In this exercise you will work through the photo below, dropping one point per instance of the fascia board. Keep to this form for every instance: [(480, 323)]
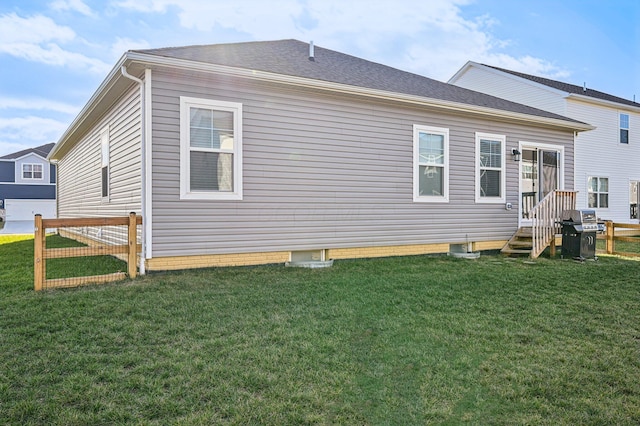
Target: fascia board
[(145, 59), (29, 155)]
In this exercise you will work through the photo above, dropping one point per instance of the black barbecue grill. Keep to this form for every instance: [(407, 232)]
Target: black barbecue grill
[(579, 229)]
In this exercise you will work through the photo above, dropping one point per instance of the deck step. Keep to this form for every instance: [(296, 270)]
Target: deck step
[(521, 243), (515, 251)]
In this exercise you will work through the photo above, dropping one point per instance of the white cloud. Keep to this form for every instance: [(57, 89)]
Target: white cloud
[(37, 39), (431, 38), (36, 29), (73, 5), (30, 131), (121, 45), (38, 104)]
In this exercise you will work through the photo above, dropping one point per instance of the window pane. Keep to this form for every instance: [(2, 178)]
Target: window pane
[(624, 121), (431, 182), (201, 117), (604, 185), (105, 181), (490, 153), (431, 148), (593, 200), (592, 184), (604, 200), (201, 138), (211, 171), (490, 183), (550, 158), (211, 129), (223, 120), (624, 136)]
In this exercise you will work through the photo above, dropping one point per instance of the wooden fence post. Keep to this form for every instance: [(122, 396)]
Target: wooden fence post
[(133, 244), (609, 237), (38, 254)]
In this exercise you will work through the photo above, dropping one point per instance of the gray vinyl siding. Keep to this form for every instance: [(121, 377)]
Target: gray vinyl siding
[(326, 170), (79, 172)]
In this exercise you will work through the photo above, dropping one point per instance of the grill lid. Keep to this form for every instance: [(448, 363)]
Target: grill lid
[(580, 216)]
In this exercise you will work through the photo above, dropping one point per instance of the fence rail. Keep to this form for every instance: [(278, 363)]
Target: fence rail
[(610, 237), (95, 247)]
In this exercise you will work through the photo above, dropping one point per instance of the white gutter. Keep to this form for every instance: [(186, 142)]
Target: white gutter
[(183, 64), (143, 194)]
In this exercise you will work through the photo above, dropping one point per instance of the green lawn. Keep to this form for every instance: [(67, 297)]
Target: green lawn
[(412, 340)]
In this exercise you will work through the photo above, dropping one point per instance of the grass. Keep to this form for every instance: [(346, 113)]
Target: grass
[(412, 340)]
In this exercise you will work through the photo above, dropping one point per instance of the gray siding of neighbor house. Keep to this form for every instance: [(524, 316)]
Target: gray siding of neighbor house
[(7, 171), (79, 172), (27, 192), (326, 170)]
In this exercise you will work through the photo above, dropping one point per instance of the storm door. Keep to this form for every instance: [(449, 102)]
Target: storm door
[(540, 173)]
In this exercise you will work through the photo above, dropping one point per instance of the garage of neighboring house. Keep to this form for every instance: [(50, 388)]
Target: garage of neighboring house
[(22, 210)]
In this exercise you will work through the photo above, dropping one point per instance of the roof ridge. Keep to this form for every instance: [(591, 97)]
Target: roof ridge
[(42, 150), (156, 49)]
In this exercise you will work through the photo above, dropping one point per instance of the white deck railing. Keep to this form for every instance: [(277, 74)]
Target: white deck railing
[(546, 217)]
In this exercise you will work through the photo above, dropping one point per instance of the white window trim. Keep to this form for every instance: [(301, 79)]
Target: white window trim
[(503, 143), (601, 176), (33, 165), (236, 108), (444, 198), (105, 161)]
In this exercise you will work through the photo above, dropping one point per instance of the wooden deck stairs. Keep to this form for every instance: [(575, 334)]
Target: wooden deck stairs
[(545, 218), (520, 244)]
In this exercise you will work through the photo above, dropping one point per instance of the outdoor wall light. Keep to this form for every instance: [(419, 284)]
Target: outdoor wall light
[(516, 154)]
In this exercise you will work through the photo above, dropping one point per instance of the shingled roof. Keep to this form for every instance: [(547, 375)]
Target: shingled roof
[(42, 151), (291, 58), (569, 88)]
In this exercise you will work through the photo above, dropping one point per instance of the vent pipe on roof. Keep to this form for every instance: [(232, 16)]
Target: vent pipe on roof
[(584, 88), (311, 51)]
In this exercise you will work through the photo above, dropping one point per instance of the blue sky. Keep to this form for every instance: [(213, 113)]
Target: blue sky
[(55, 53)]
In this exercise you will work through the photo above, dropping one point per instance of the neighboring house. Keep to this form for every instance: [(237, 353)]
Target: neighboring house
[(607, 174), (28, 184), (260, 152)]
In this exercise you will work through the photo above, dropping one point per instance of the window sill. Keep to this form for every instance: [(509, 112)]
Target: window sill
[(430, 199), (211, 196)]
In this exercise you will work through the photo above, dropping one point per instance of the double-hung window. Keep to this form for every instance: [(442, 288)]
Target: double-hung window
[(624, 128), (430, 164), (490, 168), (210, 149), (32, 171), (598, 192)]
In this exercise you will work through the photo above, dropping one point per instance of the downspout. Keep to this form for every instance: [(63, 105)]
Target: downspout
[(143, 195)]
